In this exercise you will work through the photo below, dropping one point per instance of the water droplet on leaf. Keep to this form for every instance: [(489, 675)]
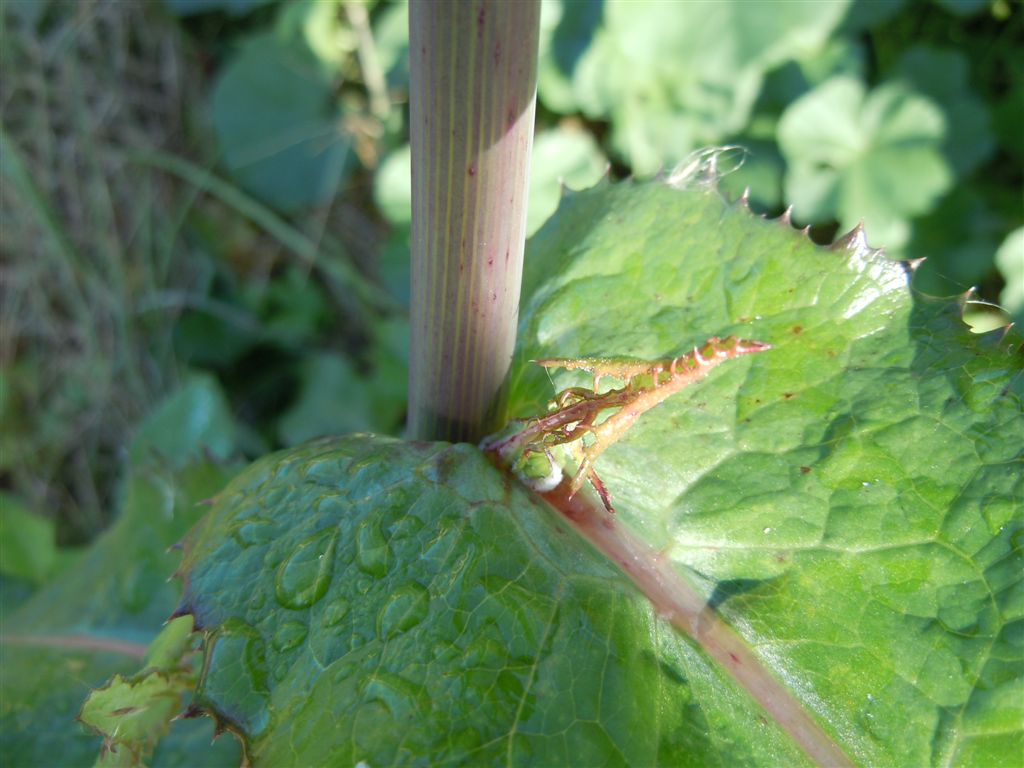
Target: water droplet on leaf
[(406, 607), (304, 576), (335, 612), (289, 635), (372, 550)]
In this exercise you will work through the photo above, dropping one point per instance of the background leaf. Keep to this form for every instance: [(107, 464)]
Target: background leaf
[(28, 542), (856, 155), (674, 77), (1010, 260), (277, 124), (943, 76), (232, 7)]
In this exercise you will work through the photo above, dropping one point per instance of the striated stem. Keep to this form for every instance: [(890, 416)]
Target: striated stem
[(473, 67)]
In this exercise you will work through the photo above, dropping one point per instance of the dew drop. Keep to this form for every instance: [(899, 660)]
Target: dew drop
[(335, 612), (395, 694), (405, 608), (306, 573), (257, 600), (289, 635), (767, 530), (371, 549), (275, 496), (344, 672), (253, 531)]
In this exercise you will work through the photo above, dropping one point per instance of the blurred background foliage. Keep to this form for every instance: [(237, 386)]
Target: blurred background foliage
[(217, 191)]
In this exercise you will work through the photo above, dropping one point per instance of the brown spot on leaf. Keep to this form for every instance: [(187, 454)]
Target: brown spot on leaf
[(797, 329), (804, 470), (788, 395)]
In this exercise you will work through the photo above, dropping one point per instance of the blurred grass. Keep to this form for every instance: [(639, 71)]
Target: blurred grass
[(136, 248), (85, 238), (126, 260)]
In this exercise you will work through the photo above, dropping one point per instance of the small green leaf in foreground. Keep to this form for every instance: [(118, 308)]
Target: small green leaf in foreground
[(95, 618), (133, 714)]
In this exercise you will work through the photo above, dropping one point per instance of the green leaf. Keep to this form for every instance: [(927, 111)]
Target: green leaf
[(566, 31), (96, 617), (28, 542), (850, 501), (334, 400), (672, 77), (277, 123), (231, 7), (377, 601), (320, 26), (193, 422), (943, 76), (391, 39), (392, 186), (870, 14), (94, 621), (856, 155), (561, 156), (1010, 260), (758, 171), (958, 240), (963, 7), (133, 714)]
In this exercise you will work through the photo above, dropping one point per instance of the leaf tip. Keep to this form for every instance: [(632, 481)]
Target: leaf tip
[(186, 609), (855, 242), (744, 199), (911, 265), (965, 298)]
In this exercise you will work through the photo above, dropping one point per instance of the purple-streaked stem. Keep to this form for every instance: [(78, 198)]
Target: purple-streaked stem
[(473, 68)]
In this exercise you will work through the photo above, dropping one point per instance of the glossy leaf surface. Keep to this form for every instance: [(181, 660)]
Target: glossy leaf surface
[(850, 501), (387, 602)]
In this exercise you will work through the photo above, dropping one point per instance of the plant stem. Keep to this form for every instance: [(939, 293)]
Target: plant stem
[(473, 85)]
